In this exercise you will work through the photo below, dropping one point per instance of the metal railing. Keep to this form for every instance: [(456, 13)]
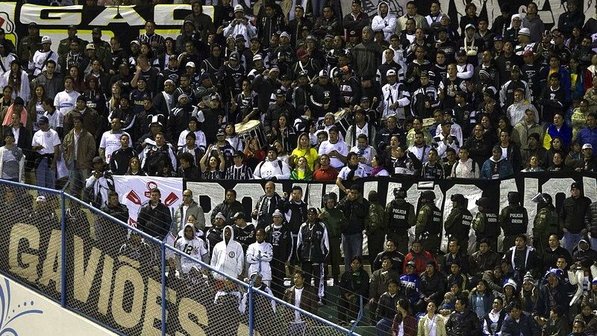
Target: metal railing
[(114, 274)]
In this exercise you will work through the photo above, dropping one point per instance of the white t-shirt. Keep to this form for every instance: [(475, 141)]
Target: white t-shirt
[(111, 142), (66, 101), (47, 139), (326, 147)]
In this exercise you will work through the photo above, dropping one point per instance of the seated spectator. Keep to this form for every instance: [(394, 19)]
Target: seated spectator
[(301, 171), (272, 168), (496, 167)]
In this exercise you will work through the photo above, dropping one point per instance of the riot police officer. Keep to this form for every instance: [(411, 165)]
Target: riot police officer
[(514, 219), (401, 217), (458, 223), (545, 222), (428, 225), (485, 223)]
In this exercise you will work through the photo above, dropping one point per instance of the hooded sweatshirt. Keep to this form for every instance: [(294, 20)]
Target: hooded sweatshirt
[(387, 24), (195, 248), (227, 257)]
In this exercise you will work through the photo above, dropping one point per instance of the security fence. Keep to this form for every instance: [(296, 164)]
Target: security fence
[(98, 266)]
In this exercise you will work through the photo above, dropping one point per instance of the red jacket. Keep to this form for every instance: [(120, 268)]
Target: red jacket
[(420, 260)]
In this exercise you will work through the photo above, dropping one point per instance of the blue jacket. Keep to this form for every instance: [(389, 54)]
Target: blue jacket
[(588, 135), (565, 134), (503, 169)]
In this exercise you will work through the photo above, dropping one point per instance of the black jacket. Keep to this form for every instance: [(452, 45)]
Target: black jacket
[(155, 221), (463, 324)]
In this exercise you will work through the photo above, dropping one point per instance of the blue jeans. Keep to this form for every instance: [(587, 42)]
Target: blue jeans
[(77, 179), (571, 240), (45, 175), (383, 327), (352, 246)]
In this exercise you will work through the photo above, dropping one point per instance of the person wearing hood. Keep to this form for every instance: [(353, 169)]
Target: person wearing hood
[(228, 256), (202, 22), (259, 255), (584, 254), (384, 20), (192, 246)]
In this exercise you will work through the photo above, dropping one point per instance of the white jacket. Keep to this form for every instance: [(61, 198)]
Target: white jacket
[(228, 257), (386, 24), (259, 256), (394, 95)]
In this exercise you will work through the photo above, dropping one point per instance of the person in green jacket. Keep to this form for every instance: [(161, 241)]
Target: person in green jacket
[(332, 217), (376, 225), (428, 225)]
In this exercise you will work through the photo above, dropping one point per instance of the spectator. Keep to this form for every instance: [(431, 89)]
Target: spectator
[(154, 218)]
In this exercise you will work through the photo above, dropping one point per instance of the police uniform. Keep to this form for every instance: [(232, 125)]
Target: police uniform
[(514, 220), (458, 225), (429, 224), (544, 225), (401, 217), (485, 224)]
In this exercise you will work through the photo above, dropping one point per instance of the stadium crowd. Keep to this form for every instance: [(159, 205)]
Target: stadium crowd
[(276, 92)]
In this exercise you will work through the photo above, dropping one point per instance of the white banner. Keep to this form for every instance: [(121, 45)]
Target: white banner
[(134, 192)]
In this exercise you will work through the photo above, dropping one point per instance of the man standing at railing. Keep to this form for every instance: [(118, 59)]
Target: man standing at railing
[(302, 296), (154, 218), (47, 144)]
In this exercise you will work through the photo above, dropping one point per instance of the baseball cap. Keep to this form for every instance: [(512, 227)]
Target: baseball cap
[(220, 132), (277, 213), (43, 120), (238, 215), (234, 56), (587, 146), (323, 73), (470, 25), (41, 198), (410, 263), (191, 64), (280, 93), (46, 39), (257, 58), (238, 8), (220, 216), (90, 46), (285, 34), (391, 72), (524, 31)]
